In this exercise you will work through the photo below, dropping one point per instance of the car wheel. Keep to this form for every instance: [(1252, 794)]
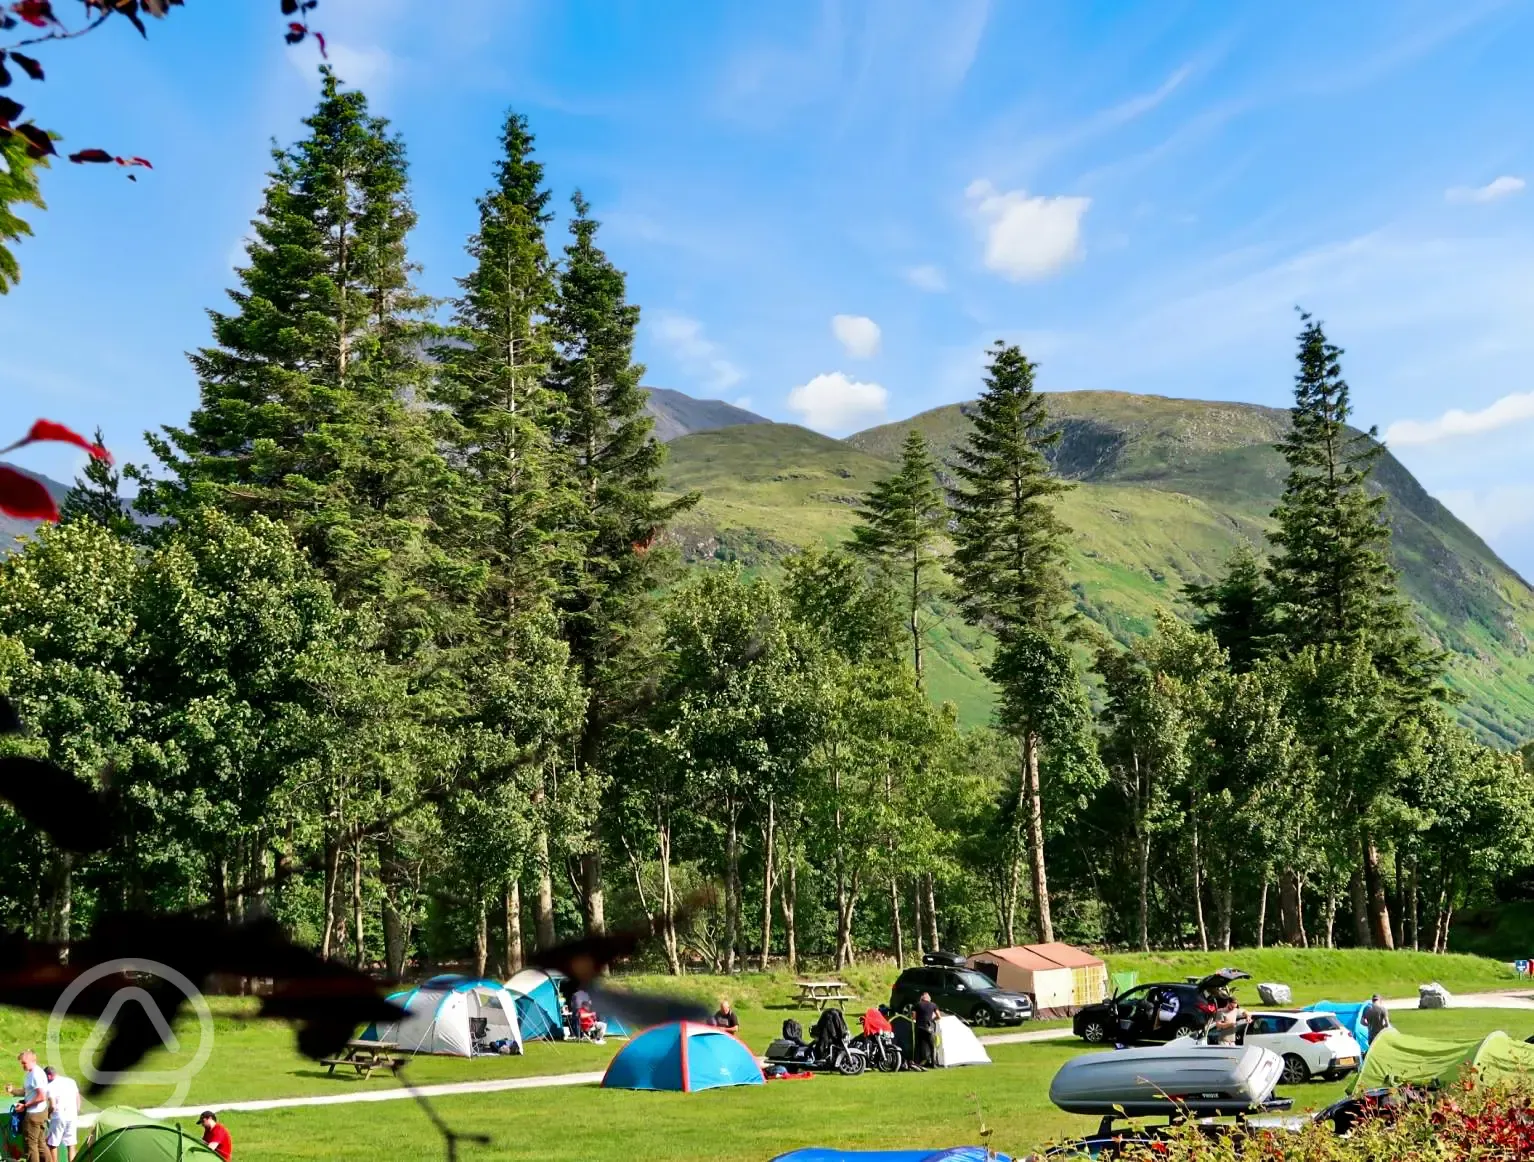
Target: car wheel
[(1095, 1031), (1296, 1072), (1184, 1030)]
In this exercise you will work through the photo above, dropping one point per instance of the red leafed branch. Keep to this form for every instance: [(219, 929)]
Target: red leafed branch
[(24, 497), (39, 23)]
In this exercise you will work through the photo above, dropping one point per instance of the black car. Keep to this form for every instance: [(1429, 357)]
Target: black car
[(969, 995), (1156, 1012)]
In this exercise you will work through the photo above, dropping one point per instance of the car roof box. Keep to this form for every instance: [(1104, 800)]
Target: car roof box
[(943, 959)]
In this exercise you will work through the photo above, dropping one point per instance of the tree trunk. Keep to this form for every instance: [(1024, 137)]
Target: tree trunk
[(1225, 906), (61, 905), (897, 931), (1142, 846), (1379, 906), (543, 915), (932, 930), (667, 897), (1412, 909), (845, 955), (332, 889), (591, 884), (916, 616), (360, 953), (1360, 908), (1291, 907), (918, 929), (481, 938), (511, 944), (256, 904), (1262, 909), (1400, 901), (1198, 884), (1331, 917), (732, 883), (787, 899), (1044, 926), (769, 849)]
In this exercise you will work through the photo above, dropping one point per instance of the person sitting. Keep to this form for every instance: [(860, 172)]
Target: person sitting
[(588, 1025), (725, 1017)]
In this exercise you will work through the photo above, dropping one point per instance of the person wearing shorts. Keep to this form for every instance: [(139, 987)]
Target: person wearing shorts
[(64, 1115)]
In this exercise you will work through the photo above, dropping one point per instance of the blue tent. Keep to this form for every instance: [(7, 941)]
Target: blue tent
[(440, 1017), (1350, 1016), (955, 1154), (540, 1009), (682, 1056)]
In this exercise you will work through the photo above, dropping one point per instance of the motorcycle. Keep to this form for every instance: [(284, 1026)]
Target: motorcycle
[(823, 1054)]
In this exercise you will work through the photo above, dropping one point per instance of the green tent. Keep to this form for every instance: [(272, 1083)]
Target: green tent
[(1397, 1058), (127, 1135)]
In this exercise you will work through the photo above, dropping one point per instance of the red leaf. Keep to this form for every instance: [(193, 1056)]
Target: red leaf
[(137, 161), (9, 110), (25, 498), (90, 155), (48, 430), (320, 39), (28, 65), (39, 144), (37, 13)]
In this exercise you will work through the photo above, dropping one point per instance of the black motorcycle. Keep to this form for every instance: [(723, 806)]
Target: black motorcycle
[(881, 1051), (825, 1051)]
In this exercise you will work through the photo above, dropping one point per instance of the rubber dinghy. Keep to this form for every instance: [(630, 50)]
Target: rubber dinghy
[(1183, 1075)]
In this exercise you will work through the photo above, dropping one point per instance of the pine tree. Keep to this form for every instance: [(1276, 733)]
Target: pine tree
[(605, 440), (308, 412), (1009, 558), (499, 422), (1238, 610), (97, 496), (904, 519)]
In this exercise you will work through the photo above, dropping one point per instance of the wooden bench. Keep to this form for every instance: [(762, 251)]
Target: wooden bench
[(817, 994), (366, 1056)]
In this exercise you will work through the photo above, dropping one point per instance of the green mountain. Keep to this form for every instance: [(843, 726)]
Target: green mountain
[(1166, 490)]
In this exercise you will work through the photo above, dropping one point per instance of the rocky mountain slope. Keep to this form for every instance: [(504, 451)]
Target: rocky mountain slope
[(677, 414)]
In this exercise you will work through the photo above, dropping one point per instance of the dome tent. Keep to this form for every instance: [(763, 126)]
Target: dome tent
[(955, 1044), (439, 1016), (1398, 1058), (121, 1134), (953, 1154), (685, 1057), (540, 1006)]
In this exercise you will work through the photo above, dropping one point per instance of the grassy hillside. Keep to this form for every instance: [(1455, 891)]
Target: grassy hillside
[(1166, 490)]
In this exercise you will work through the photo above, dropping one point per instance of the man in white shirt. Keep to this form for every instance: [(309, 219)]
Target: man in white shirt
[(33, 1107), (64, 1101)]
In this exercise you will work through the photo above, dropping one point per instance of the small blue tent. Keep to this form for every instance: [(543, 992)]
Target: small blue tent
[(1349, 1016), (955, 1154), (540, 1009), (682, 1056)]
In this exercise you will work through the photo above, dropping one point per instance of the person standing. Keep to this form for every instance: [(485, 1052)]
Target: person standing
[(926, 1032), (214, 1136), (33, 1107), (64, 1113), (1376, 1017)]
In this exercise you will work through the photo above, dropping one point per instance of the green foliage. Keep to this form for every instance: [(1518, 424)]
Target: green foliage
[(18, 187), (97, 497)]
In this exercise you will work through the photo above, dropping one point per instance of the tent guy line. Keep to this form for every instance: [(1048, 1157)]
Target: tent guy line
[(1513, 1000)]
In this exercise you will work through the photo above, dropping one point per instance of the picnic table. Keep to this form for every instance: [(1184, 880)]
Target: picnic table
[(817, 994), (366, 1056)]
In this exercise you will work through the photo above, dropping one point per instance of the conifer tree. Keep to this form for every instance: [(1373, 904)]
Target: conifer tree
[(308, 412), (1009, 557), (605, 439), (904, 518), (97, 496), (1238, 610)]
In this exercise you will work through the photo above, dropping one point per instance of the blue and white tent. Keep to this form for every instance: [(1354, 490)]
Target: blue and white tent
[(955, 1154), (540, 1009), (441, 1015)]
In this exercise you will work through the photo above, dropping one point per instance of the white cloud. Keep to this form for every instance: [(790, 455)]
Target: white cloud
[(1026, 237), (699, 356), (1496, 511), (834, 404), (927, 278), (858, 335), (1493, 191), (368, 68), (744, 403), (1516, 408)]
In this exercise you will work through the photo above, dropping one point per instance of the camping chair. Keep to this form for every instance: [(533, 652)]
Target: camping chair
[(479, 1034)]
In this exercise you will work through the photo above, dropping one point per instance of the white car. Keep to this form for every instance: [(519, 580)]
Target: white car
[(1311, 1044)]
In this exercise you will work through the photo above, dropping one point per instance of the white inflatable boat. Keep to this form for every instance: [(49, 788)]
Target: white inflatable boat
[(1183, 1076)]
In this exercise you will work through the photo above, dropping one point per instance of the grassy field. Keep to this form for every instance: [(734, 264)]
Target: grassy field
[(1166, 491)]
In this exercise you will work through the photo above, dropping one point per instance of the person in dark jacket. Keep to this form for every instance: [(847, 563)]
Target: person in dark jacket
[(725, 1017), (926, 1032)]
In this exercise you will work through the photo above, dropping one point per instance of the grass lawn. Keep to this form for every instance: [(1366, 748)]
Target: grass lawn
[(256, 1059)]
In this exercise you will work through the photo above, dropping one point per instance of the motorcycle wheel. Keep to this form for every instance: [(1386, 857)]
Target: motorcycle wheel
[(892, 1060), (851, 1064)]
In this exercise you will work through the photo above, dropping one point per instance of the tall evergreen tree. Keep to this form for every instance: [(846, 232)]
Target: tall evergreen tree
[(97, 496), (499, 421), (308, 412), (614, 461), (904, 518), (1009, 557), (1238, 609)]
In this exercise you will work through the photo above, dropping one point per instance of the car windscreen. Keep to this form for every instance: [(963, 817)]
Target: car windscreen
[(1324, 1024), (974, 980)]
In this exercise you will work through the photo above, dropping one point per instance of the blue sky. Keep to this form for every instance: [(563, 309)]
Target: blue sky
[(828, 208)]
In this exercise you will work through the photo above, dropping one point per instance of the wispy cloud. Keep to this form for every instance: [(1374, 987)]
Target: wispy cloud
[(926, 277), (858, 335), (699, 356), (1517, 408), (1493, 511), (1493, 191), (834, 404), (1026, 236)]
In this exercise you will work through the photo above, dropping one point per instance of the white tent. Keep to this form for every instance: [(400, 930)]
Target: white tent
[(441, 1016), (956, 1045)]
